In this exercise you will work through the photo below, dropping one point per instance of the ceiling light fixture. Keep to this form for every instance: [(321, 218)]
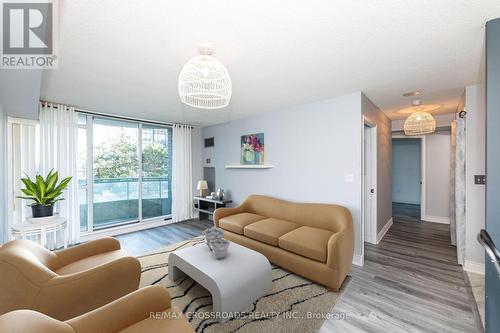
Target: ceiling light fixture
[(418, 107), (204, 82), (420, 123), (411, 93)]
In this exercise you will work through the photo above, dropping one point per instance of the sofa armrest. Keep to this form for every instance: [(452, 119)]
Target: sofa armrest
[(67, 296), (341, 250), (88, 249), (123, 312), (224, 212)]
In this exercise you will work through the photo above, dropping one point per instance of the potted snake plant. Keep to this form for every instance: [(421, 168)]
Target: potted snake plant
[(44, 192)]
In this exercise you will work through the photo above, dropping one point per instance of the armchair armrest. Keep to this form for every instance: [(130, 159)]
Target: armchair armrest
[(123, 312), (22, 321), (87, 290), (88, 249), (223, 212)]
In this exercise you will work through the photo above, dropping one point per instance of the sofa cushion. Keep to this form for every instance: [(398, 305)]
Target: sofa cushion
[(307, 241), (91, 262), (269, 230), (236, 223)]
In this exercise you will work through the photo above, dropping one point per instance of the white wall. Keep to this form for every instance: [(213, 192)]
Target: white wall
[(475, 97), (312, 147), (406, 171), (438, 173), (20, 92), (375, 116), (3, 176)]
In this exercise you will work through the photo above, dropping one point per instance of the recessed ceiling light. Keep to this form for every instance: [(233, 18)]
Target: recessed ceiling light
[(420, 108), (411, 93)]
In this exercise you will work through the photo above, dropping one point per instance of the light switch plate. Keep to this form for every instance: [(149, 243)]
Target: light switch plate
[(480, 179), (349, 178)]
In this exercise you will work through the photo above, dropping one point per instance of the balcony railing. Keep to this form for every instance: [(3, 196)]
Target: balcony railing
[(116, 200)]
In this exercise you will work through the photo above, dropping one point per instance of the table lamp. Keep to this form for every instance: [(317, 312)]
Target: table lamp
[(202, 186)]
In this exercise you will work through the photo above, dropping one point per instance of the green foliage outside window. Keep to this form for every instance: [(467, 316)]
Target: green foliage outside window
[(117, 158)]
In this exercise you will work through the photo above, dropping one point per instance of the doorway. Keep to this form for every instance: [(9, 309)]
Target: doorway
[(407, 175), (369, 183)]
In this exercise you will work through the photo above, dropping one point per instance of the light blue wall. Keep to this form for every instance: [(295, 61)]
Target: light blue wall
[(312, 147), (406, 171)]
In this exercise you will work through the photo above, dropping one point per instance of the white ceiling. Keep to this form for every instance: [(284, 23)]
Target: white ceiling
[(124, 57)]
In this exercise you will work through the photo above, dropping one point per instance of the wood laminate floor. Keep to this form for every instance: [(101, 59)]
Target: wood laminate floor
[(139, 242), (410, 281), (406, 212)]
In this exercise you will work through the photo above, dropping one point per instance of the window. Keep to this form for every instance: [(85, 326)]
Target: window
[(130, 172)]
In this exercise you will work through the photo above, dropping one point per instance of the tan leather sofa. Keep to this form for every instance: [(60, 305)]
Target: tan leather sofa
[(147, 310), (315, 241), (66, 283)]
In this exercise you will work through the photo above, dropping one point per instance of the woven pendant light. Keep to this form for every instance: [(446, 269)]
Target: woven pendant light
[(204, 82), (420, 123)]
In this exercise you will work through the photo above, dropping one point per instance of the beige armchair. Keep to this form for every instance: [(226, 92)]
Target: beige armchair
[(66, 283), (147, 310)]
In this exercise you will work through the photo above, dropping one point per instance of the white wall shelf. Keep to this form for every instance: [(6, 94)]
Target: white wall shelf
[(249, 166)]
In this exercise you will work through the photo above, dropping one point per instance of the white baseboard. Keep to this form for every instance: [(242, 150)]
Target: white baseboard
[(474, 267), (384, 230), (358, 260), (436, 219)]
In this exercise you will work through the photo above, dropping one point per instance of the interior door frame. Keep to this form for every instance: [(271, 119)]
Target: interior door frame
[(371, 225), (423, 186)]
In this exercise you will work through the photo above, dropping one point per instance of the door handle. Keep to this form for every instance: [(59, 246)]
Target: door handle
[(491, 250)]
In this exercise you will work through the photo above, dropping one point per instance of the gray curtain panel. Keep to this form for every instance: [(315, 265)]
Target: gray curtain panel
[(453, 229), (460, 189)]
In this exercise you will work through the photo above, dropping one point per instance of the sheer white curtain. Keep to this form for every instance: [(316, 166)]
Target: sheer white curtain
[(182, 174), (59, 151), (4, 222), (23, 138)]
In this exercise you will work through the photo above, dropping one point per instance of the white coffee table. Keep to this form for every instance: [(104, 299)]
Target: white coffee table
[(234, 282)]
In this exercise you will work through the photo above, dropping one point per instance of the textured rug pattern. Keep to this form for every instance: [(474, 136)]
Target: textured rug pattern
[(294, 305)]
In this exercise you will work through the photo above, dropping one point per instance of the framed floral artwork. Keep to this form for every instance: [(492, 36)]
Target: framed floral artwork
[(252, 149)]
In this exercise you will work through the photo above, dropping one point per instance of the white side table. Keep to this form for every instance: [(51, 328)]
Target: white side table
[(27, 229)]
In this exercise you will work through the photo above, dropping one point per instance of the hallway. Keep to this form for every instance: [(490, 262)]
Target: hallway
[(406, 212), (410, 282)]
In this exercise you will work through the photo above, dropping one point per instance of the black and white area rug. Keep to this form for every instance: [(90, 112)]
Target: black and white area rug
[(294, 305)]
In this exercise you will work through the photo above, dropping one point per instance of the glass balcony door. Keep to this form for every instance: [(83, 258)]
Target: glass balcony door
[(115, 172), (124, 172), (155, 174)]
